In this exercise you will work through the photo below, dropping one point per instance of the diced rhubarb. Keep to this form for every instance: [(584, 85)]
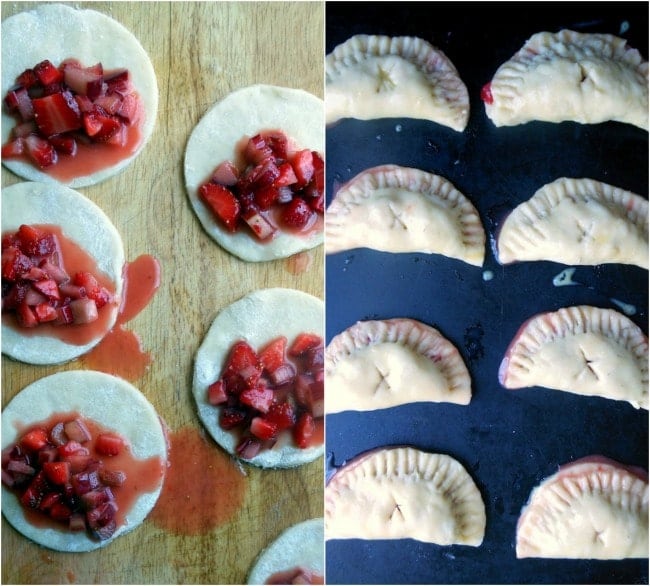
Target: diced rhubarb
[(40, 151), (87, 81), (257, 149), (18, 99), (112, 477), (248, 448), (304, 430), (283, 375), (77, 430), (223, 204), (57, 434), (84, 310), (226, 173), (77, 522), (64, 315), (303, 166), (109, 444), (260, 226), (26, 316), (286, 177), (49, 288), (217, 393), (72, 447), (21, 467), (64, 144), (100, 126), (101, 520), (118, 81), (57, 113), (45, 312)]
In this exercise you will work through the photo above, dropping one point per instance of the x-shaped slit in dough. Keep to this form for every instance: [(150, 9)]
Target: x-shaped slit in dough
[(384, 80), (588, 364), (383, 382), (396, 509), (585, 231), (397, 217)]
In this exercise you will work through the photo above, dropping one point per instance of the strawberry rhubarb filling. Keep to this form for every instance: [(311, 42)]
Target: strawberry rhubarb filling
[(297, 575), (275, 392), (64, 112), (273, 187), (47, 280), (70, 473)]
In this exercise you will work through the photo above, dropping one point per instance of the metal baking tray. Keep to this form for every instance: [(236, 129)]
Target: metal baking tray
[(509, 441)]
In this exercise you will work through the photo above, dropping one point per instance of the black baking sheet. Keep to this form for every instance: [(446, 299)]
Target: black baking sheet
[(509, 441)]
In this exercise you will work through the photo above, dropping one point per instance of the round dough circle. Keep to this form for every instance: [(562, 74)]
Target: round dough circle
[(104, 399), (57, 32), (257, 318), (299, 545), (246, 112), (83, 222)]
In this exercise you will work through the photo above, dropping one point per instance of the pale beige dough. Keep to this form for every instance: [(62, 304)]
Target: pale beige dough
[(89, 227), (587, 510), (104, 399), (400, 209), (375, 76), (583, 350), (301, 545), (403, 492), (577, 222), (258, 318), (58, 32), (378, 364), (244, 113), (569, 76)]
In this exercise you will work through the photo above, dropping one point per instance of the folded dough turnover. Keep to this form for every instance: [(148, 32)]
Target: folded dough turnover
[(374, 76), (584, 350), (593, 508), (402, 492), (577, 222), (384, 363), (570, 76), (400, 209)]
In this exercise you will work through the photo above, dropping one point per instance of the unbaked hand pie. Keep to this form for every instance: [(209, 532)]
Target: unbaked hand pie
[(401, 209), (80, 95), (403, 492), (76, 471), (577, 222), (254, 172), (375, 76), (569, 76), (378, 364), (259, 379), (584, 350), (295, 557), (593, 508), (62, 273)]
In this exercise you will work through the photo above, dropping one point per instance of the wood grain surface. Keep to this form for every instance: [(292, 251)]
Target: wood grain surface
[(200, 51)]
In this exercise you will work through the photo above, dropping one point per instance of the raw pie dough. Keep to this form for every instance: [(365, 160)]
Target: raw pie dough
[(57, 32), (577, 222), (257, 318), (105, 399), (580, 77), (402, 492), (244, 113), (300, 545), (400, 209), (594, 508), (83, 222), (584, 350), (373, 76), (383, 363)]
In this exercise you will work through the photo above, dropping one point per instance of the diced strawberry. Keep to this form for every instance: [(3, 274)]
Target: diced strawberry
[(60, 512), (272, 355), (57, 472), (259, 398), (303, 166), (54, 271), (243, 363), (262, 175), (72, 291), (304, 430), (101, 520), (14, 263), (57, 113), (46, 73), (77, 522), (45, 312), (88, 281), (109, 444), (49, 500), (266, 196), (48, 454), (257, 150), (317, 203), (226, 174), (27, 78), (486, 94), (258, 223), (263, 428), (100, 127), (26, 316), (72, 447), (120, 137), (87, 81), (78, 461), (36, 242), (84, 481), (98, 496), (35, 492), (84, 310), (286, 177), (119, 82), (13, 148), (278, 142), (33, 298), (24, 129), (282, 415), (40, 151), (223, 204), (130, 108), (64, 144), (297, 213), (49, 288), (303, 342), (231, 417), (217, 393)]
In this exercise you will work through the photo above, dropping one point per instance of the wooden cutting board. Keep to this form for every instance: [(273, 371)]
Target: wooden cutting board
[(200, 51)]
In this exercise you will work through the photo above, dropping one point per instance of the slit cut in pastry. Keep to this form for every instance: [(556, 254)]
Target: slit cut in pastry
[(593, 508), (372, 76), (90, 228), (104, 399), (56, 32), (384, 363), (584, 350), (257, 318), (217, 138), (402, 492), (570, 76), (300, 547), (577, 222), (400, 209)]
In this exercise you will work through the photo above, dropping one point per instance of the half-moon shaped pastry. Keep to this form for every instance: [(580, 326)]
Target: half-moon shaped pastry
[(373, 76), (577, 222), (402, 492), (584, 350), (383, 363), (570, 76), (594, 508), (401, 209)]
